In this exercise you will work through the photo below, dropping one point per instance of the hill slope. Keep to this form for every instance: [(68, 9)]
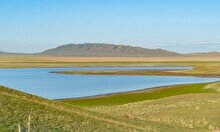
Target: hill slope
[(46, 115), (111, 50)]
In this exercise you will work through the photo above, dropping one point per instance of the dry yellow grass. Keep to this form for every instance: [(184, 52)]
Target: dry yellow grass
[(23, 61), (175, 112), (215, 86), (19, 58), (29, 58), (128, 59)]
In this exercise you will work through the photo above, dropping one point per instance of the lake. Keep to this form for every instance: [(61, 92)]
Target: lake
[(39, 81)]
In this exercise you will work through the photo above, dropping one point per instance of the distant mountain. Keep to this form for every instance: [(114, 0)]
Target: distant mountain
[(214, 53), (8, 53), (106, 50), (2, 53)]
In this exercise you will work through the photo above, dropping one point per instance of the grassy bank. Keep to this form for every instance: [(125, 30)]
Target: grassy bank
[(129, 97)]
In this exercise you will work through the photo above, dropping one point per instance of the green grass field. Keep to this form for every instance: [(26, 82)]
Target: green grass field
[(130, 97)]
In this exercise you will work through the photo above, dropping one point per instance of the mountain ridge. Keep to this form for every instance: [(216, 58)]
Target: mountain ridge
[(213, 53), (106, 50)]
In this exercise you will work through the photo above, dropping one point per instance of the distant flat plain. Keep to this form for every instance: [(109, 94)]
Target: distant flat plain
[(24, 61)]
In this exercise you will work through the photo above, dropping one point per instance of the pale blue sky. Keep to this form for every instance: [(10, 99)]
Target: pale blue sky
[(178, 25)]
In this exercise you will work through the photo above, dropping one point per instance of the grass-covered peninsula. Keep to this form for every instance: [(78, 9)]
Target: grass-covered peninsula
[(202, 69)]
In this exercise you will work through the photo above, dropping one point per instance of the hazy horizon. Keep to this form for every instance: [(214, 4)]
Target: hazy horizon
[(120, 44), (183, 26)]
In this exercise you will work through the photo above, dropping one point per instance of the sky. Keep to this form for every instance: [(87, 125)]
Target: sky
[(183, 26)]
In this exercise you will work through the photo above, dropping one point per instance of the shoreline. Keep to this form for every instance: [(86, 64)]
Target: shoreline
[(132, 91)]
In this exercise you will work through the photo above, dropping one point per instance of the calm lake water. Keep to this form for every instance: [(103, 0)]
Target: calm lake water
[(41, 82)]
